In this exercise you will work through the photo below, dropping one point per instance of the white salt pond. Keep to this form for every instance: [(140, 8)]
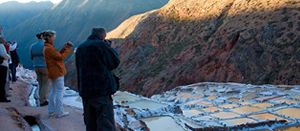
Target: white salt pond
[(145, 104), (163, 123), (197, 112), (191, 113), (203, 105), (124, 97)]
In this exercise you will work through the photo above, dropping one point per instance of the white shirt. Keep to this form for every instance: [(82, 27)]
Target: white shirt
[(4, 54)]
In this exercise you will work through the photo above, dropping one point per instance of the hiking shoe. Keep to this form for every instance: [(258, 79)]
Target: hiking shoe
[(63, 115), (44, 103)]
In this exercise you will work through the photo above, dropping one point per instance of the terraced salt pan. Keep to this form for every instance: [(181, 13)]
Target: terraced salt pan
[(203, 118), (189, 122), (249, 96), (163, 123), (207, 121), (145, 104), (268, 98), (225, 115), (238, 121), (185, 98), (229, 106), (203, 110), (191, 113), (199, 103), (266, 116), (245, 109), (262, 105), (233, 99), (238, 108), (286, 101), (211, 109), (187, 95), (290, 112), (133, 101), (212, 97), (245, 103), (212, 124)]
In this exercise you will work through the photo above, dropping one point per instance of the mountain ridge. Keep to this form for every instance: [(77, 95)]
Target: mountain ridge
[(228, 41), (73, 20), (13, 13)]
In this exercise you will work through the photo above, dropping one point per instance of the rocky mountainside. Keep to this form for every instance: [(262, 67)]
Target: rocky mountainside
[(13, 13), (189, 41), (73, 20)]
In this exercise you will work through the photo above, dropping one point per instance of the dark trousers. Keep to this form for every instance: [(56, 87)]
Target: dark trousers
[(13, 71), (99, 114), (3, 76)]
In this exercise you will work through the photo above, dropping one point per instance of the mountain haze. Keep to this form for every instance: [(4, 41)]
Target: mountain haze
[(73, 20), (14, 13)]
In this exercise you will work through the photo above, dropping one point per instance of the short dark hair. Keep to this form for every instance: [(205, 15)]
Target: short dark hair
[(39, 35), (98, 32)]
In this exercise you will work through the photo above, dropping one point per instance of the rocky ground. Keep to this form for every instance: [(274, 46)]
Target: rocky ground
[(12, 115), (22, 114)]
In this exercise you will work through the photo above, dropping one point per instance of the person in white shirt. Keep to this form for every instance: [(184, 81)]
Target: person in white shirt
[(4, 58)]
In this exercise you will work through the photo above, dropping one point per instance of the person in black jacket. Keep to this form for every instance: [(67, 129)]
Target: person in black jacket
[(15, 60), (95, 60)]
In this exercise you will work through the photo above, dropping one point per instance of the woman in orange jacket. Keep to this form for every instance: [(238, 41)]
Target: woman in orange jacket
[(56, 72)]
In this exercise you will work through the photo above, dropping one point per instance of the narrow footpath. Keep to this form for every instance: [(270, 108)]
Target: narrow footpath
[(18, 115)]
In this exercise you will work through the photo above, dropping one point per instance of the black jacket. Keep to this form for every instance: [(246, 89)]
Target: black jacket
[(15, 57), (95, 61)]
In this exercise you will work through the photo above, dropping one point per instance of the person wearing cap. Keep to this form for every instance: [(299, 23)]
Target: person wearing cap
[(56, 72), (95, 60), (39, 64)]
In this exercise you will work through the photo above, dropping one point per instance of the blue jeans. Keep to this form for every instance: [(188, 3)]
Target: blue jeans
[(56, 96)]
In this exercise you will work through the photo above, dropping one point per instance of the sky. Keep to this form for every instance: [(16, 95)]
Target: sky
[(25, 1)]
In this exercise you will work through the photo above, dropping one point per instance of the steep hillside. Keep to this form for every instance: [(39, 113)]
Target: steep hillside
[(14, 13), (73, 20), (189, 41)]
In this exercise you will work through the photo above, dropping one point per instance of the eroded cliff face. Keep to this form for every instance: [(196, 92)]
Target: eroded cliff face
[(188, 41)]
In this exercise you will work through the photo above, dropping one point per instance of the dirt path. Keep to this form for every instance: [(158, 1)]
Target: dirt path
[(11, 114)]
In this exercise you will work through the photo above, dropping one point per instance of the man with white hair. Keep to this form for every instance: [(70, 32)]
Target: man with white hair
[(95, 60)]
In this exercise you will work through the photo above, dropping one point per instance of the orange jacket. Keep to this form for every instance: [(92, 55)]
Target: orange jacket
[(55, 60)]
